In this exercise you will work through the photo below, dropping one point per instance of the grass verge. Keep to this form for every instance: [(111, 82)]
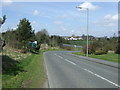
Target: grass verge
[(26, 72), (108, 57), (31, 75)]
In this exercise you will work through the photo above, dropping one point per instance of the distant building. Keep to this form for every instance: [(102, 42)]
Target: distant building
[(83, 37), (73, 37)]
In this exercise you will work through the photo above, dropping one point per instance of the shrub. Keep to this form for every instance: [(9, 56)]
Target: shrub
[(38, 47), (117, 51), (100, 52), (23, 50)]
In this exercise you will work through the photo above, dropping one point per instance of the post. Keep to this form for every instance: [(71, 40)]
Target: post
[(87, 29)]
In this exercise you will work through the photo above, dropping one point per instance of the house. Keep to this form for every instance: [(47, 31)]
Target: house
[(73, 37)]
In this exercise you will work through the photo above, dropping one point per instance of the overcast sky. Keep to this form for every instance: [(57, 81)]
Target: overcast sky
[(62, 18)]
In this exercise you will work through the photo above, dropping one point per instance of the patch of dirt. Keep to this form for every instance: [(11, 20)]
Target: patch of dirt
[(26, 83)]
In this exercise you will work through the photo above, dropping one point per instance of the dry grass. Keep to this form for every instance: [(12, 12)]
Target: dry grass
[(14, 53)]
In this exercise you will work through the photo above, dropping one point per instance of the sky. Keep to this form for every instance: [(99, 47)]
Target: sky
[(63, 18)]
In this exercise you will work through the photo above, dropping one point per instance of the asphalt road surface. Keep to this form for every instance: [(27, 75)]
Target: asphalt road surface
[(66, 71)]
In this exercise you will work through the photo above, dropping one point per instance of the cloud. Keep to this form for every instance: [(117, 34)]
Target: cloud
[(36, 13), (104, 23), (110, 17), (63, 16), (108, 20), (88, 5), (7, 2), (58, 22), (34, 22)]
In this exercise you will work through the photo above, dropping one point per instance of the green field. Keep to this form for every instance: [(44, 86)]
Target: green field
[(108, 57), (79, 42)]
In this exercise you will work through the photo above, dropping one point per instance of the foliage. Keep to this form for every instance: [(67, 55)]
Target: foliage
[(102, 45), (117, 50), (10, 38), (2, 20), (56, 40), (19, 37), (42, 36), (100, 52), (2, 42), (91, 47), (25, 32)]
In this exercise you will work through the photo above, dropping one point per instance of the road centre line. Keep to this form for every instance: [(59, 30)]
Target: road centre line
[(65, 59), (90, 72), (101, 77), (70, 62), (60, 57)]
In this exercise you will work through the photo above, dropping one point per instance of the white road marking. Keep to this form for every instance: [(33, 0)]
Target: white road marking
[(70, 62), (102, 77), (60, 57), (90, 72)]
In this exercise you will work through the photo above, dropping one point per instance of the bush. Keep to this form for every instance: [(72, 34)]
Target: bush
[(92, 47), (38, 47), (117, 51), (100, 52), (23, 50)]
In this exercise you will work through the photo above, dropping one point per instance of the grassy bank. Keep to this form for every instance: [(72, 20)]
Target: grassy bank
[(28, 73), (24, 70), (108, 57)]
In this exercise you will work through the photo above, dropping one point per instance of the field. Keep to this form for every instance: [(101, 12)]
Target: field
[(79, 42), (108, 57)]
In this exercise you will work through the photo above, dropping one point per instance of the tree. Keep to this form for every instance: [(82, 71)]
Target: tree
[(43, 36), (117, 51), (25, 32), (2, 20), (57, 40), (2, 42)]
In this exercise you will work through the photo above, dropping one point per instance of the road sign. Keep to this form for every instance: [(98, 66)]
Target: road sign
[(33, 44)]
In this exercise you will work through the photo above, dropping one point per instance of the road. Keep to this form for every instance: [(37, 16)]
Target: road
[(66, 71)]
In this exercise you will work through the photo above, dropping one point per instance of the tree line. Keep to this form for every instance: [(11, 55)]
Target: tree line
[(21, 36), (103, 45)]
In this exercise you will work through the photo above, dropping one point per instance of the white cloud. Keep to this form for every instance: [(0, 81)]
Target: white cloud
[(64, 16), (110, 17), (109, 24), (34, 22), (88, 5), (105, 23), (7, 2), (59, 22), (108, 21), (63, 28), (36, 13)]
